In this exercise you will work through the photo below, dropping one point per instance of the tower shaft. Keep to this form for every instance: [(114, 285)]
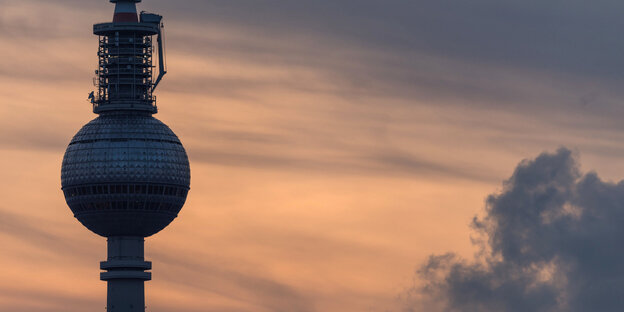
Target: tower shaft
[(125, 274)]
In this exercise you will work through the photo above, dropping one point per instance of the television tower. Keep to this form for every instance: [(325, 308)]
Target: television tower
[(125, 174)]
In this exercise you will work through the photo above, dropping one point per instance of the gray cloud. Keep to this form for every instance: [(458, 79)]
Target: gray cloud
[(524, 33), (530, 58), (551, 242), (566, 36)]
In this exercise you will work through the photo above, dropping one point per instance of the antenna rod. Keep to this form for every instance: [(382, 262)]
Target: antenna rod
[(161, 56)]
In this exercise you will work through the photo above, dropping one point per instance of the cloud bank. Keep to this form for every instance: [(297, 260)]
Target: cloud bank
[(551, 241)]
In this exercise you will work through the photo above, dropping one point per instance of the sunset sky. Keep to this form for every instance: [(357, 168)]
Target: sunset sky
[(334, 145)]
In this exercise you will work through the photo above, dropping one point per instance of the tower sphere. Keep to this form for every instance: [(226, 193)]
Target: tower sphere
[(125, 174)]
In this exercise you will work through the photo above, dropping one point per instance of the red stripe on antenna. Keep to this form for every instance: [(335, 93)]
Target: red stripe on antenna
[(125, 17)]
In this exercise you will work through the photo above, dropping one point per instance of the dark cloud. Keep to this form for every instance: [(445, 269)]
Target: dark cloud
[(566, 36), (521, 56), (551, 242), (563, 35)]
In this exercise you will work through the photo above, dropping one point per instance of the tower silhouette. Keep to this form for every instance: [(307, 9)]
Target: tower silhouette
[(125, 174)]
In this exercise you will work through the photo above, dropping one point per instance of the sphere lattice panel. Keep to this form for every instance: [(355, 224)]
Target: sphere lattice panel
[(125, 175)]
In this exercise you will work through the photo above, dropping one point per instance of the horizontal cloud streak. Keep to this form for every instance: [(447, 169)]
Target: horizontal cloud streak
[(389, 164)]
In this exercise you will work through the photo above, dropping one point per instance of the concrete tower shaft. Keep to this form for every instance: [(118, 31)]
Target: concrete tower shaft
[(126, 274)]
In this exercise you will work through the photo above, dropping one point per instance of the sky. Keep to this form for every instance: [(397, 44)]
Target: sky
[(383, 156)]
